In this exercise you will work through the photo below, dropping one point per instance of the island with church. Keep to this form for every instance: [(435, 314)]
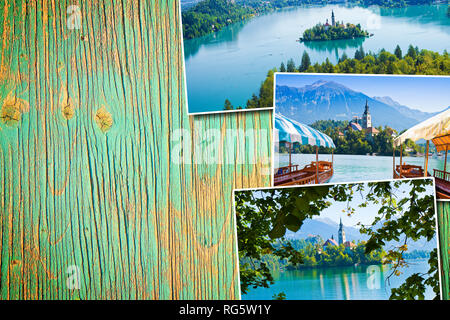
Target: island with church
[(334, 31), (319, 252)]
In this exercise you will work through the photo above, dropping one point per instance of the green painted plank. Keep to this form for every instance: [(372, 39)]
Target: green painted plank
[(89, 175), (444, 240)]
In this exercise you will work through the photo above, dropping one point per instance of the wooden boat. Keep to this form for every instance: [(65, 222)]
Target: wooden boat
[(442, 181), (310, 174), (290, 131), (408, 171), (436, 130)]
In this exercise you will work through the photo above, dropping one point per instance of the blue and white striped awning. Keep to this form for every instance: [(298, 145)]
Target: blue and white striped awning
[(287, 130)]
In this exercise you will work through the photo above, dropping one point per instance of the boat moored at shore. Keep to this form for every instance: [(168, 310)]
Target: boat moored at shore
[(289, 132), (436, 130)]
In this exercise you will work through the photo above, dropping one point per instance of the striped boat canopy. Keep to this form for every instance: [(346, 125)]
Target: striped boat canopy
[(287, 130), (436, 129)]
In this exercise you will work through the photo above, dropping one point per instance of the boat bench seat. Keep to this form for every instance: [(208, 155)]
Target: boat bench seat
[(442, 186)]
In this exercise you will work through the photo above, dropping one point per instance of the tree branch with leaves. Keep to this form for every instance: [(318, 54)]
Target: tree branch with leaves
[(264, 216)]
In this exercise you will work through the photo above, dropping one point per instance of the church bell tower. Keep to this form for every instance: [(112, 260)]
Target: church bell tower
[(367, 118), (341, 233)]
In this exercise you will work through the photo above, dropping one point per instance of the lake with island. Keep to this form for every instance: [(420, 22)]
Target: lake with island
[(232, 63), (339, 283), (354, 168)]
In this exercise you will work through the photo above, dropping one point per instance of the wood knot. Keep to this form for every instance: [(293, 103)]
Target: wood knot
[(12, 110), (15, 263), (68, 109), (10, 114), (103, 119)]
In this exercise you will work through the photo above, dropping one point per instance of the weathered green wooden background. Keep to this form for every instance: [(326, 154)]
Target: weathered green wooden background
[(443, 209), (90, 174), (113, 199)]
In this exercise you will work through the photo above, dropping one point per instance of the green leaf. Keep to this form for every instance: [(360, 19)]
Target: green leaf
[(278, 231), (302, 204), (293, 223)]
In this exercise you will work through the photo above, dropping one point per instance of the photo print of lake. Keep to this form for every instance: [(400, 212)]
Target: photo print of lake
[(363, 241), (345, 128), (232, 48)]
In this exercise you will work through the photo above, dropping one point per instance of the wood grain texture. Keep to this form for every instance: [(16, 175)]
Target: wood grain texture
[(443, 209), (89, 177)]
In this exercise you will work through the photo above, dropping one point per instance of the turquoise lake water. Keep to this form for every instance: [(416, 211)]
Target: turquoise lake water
[(232, 63), (339, 283), (354, 168)]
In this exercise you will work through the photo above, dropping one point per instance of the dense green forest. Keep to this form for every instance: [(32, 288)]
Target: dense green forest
[(334, 256), (210, 16), (415, 61), (321, 32), (356, 142), (314, 255), (391, 3), (292, 3)]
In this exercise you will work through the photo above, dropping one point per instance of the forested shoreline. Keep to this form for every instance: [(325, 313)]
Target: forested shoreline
[(209, 16), (352, 142), (315, 256), (414, 62)]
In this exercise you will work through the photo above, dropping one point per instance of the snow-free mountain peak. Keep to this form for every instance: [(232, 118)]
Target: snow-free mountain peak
[(330, 100)]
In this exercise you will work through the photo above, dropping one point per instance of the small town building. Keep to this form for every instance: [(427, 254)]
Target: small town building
[(330, 242), (354, 126), (349, 244)]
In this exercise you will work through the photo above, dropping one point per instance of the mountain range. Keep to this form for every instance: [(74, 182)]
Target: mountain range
[(325, 228), (329, 100)]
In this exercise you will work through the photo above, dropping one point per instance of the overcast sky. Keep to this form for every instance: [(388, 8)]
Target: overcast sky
[(425, 93)]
